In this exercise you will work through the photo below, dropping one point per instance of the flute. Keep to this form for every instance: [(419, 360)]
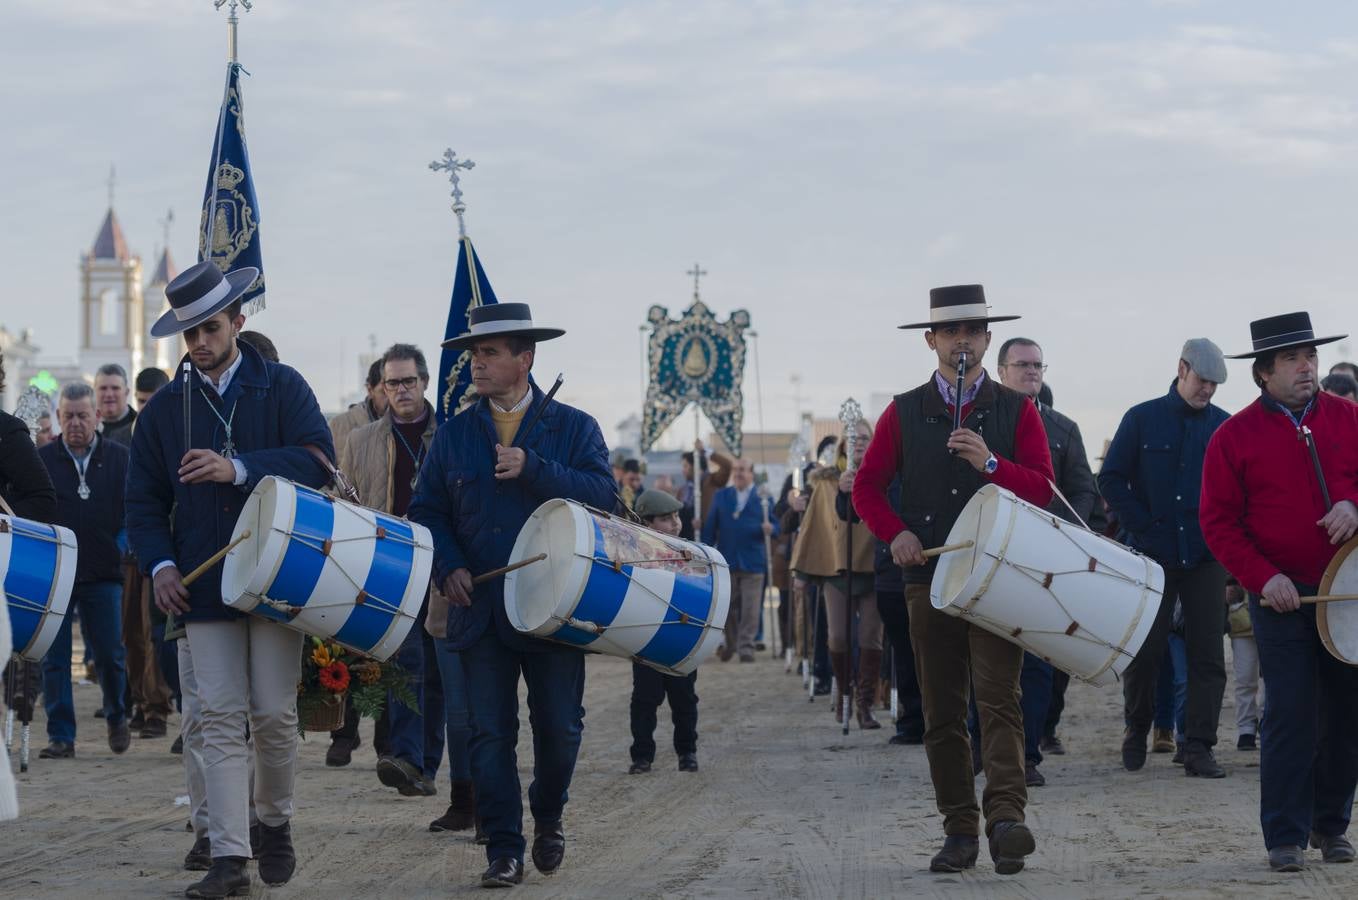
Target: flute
[(961, 386)]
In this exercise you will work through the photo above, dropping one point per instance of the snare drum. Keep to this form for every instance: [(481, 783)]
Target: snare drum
[(618, 588), (1337, 621), (328, 568), (37, 563)]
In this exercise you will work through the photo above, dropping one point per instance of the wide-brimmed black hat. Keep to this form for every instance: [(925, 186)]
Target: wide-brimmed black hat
[(198, 293), (501, 320), (958, 303), (1281, 332)]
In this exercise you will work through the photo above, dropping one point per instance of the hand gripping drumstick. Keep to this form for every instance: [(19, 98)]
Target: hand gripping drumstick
[(948, 548), (215, 558)]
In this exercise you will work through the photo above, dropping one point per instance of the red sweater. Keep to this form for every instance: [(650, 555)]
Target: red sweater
[(1026, 475), (1260, 498)]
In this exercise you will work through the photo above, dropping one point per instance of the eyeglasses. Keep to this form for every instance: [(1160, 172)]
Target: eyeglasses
[(395, 384), (1027, 366)]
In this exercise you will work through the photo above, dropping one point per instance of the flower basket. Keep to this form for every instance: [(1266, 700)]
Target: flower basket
[(326, 715)]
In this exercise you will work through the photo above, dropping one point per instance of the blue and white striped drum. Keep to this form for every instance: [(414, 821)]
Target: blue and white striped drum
[(328, 568), (37, 565), (617, 588)]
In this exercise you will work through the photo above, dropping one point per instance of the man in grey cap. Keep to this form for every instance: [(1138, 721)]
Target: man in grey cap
[(1152, 478)]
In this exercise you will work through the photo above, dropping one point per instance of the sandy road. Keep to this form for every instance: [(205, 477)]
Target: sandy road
[(784, 806)]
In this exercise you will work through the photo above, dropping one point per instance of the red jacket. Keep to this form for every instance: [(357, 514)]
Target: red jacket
[(1027, 475), (1260, 498)]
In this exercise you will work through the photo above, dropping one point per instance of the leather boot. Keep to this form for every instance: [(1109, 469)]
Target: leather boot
[(869, 671), (461, 813), (839, 664)]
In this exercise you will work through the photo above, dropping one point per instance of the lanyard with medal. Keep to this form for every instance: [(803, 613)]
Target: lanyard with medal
[(81, 465), (417, 457), (228, 448)]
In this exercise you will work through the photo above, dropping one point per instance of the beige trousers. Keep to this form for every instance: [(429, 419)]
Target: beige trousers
[(246, 668), (191, 729), (747, 605)]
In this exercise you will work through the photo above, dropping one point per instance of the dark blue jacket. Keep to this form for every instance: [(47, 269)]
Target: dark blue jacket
[(98, 520), (1152, 477), (740, 539), (475, 519), (275, 417)]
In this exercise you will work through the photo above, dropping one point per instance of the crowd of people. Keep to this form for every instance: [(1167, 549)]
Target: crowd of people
[(152, 473)]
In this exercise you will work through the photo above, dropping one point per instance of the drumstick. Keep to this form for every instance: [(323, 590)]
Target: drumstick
[(505, 570), (1323, 598), (215, 558), (537, 412), (948, 548)]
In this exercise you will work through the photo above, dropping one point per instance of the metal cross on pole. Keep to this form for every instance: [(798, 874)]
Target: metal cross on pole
[(696, 273), (232, 20), (451, 164)]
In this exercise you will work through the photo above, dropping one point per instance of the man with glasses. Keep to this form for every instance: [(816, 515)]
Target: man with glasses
[(1044, 688), (1152, 478)]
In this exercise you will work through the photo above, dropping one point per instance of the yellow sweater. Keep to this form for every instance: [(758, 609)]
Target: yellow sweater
[(506, 424)]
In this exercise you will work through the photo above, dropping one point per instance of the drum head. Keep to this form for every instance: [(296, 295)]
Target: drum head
[(1338, 622)]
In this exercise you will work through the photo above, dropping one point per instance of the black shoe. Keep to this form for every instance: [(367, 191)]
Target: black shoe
[(1335, 849), (549, 846), (688, 762), (1246, 742), (1032, 777), (639, 767), (481, 839), (1133, 749), (57, 750), (256, 840), (503, 872), (177, 747), (119, 737), (1202, 763), (747, 657), (403, 776), (341, 751), (99, 713), (1052, 744), (907, 739), (1178, 758), (822, 687), (199, 858), (138, 720), (226, 877), (1010, 842), (453, 820), (1287, 858), (151, 728), (277, 861), (959, 852)]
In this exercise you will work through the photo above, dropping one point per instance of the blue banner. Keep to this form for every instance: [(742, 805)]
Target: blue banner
[(230, 220), (471, 289)]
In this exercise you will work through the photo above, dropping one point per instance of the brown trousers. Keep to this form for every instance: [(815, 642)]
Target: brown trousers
[(869, 621), (951, 656), (147, 686)]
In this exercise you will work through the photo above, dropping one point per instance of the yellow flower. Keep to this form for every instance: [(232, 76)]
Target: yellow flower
[(321, 656)]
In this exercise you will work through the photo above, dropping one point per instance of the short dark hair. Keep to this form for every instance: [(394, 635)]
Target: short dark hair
[(632, 465), (261, 343), (232, 310), (151, 380), (1263, 364), (1011, 344), (375, 373), (406, 351), (112, 369), (1349, 367), (687, 456), (519, 345), (1340, 383)]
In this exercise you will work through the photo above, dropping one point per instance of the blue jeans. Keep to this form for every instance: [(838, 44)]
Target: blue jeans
[(407, 725), (1171, 687), (1308, 761), (456, 714), (100, 604), (556, 689)]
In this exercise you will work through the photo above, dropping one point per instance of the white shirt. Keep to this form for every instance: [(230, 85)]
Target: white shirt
[(743, 497), (518, 407)]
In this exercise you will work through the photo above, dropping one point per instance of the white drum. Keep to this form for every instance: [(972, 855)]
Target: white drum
[(1080, 601), (615, 587), (328, 568)]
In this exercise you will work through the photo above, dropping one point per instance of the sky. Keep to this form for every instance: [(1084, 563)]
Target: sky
[(1124, 174)]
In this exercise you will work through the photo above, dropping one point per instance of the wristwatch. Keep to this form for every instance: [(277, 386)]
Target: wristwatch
[(991, 465)]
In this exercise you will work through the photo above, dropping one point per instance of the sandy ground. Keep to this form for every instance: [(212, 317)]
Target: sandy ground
[(784, 806)]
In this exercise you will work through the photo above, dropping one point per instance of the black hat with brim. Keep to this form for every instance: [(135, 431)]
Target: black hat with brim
[(198, 293), (958, 303), (1281, 332), (500, 320)]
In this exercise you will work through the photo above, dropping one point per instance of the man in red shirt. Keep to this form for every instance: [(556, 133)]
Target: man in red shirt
[(1279, 487), (1001, 441)]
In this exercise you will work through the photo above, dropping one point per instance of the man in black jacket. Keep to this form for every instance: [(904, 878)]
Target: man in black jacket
[(88, 473)]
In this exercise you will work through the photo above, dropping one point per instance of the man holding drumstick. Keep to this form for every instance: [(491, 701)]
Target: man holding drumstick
[(1001, 441), (1279, 487)]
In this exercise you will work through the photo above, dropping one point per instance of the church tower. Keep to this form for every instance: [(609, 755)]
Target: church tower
[(113, 320), (162, 353)]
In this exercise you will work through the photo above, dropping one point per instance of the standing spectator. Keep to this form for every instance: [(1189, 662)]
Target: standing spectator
[(148, 382), (111, 393), (735, 524), (88, 473), (1340, 384), (1249, 689), (712, 481), (630, 486), (359, 414), (1151, 478), (1346, 368)]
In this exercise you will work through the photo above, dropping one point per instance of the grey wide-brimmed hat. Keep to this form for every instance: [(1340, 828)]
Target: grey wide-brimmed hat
[(958, 303), (198, 293), (500, 320), (1281, 332), (1205, 358)]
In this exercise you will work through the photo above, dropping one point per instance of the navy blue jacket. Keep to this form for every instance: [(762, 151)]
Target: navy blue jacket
[(98, 520), (276, 416), (475, 519), (1152, 477), (740, 539)]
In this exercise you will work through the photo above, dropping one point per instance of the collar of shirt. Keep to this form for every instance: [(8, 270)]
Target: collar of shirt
[(518, 407), (80, 456), (1270, 403), (949, 391), (743, 497), (224, 381)]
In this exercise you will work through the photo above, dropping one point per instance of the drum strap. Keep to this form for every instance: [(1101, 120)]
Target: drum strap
[(9, 510), (1062, 496), (342, 484)]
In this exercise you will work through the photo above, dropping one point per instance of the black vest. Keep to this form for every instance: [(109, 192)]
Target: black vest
[(935, 484)]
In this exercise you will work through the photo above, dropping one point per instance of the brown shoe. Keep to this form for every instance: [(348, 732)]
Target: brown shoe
[(153, 728), (1162, 740)]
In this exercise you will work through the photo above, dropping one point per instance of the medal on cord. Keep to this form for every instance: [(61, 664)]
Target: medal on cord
[(229, 448), (80, 466), (418, 457)]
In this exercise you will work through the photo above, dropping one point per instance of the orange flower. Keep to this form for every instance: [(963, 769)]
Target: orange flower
[(334, 677), (368, 672), (321, 656)]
